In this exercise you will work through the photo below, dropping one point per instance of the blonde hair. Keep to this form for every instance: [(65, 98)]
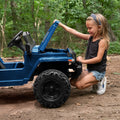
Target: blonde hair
[(102, 21)]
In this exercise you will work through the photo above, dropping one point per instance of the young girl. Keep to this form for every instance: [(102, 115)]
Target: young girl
[(98, 42)]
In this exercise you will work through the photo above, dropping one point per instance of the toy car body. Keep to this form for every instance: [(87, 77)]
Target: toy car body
[(52, 86)]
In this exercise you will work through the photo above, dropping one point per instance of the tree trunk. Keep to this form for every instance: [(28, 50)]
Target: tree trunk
[(2, 25), (14, 15), (84, 3), (111, 34), (47, 21), (35, 36), (0, 45)]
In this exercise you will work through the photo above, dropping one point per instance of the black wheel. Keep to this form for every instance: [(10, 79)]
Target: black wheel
[(52, 88)]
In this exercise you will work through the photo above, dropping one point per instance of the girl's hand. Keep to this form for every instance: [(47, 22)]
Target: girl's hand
[(55, 20), (80, 59)]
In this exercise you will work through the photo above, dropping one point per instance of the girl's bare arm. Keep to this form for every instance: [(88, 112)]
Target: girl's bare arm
[(74, 32)]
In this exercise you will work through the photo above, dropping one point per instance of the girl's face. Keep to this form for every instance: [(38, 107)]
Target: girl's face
[(93, 28)]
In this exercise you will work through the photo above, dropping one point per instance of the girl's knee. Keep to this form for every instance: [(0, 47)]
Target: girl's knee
[(79, 86)]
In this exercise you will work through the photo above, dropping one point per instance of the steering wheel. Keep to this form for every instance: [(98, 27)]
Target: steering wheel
[(15, 39)]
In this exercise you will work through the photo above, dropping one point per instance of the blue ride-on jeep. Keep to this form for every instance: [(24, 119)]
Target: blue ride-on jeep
[(52, 66)]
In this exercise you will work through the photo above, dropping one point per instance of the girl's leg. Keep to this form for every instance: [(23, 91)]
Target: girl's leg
[(84, 80), (73, 81)]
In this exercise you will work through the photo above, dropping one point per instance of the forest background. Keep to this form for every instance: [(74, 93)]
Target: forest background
[(36, 16)]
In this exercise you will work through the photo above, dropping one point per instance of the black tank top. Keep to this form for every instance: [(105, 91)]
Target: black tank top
[(91, 52)]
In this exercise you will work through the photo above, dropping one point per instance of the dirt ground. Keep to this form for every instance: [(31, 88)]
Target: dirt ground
[(18, 103)]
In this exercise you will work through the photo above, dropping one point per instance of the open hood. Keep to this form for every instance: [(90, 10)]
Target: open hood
[(47, 37)]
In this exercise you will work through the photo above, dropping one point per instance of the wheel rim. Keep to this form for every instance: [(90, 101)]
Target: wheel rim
[(51, 91)]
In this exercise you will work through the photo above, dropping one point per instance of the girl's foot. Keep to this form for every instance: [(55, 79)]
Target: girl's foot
[(100, 88)]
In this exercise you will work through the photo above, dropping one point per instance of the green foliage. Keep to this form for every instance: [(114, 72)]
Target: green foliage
[(114, 48), (12, 52), (78, 47), (35, 15)]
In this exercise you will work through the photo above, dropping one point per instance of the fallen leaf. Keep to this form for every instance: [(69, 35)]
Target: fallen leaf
[(78, 104), (116, 73)]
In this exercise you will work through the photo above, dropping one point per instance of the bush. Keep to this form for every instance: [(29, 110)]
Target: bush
[(114, 48), (12, 52)]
